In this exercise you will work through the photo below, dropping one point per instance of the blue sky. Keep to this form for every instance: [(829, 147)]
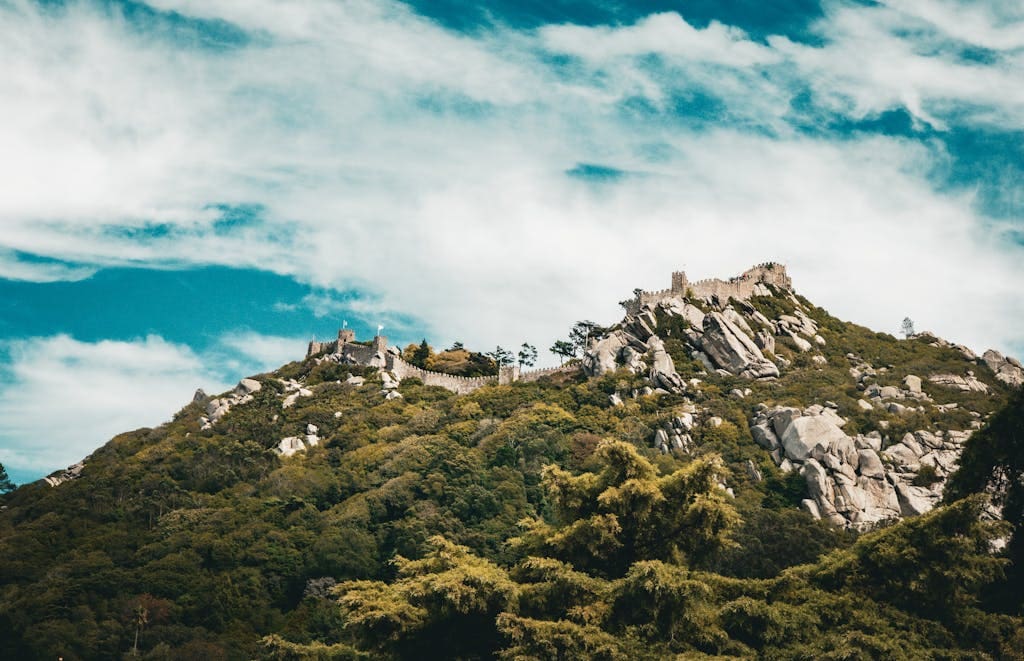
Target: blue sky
[(193, 188)]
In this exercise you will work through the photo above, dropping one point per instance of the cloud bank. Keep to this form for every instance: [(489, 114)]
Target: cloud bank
[(451, 176)]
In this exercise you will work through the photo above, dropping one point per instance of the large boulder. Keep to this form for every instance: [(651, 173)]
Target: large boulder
[(601, 357), (731, 349), (1008, 370), (964, 383), (805, 432), (663, 370)]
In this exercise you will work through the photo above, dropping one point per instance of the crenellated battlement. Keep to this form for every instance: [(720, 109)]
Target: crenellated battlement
[(377, 354), (752, 282)]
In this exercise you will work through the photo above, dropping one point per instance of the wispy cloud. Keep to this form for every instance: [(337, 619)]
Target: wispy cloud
[(61, 398), (428, 167)]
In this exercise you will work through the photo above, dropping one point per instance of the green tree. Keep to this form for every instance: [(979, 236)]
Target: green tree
[(604, 522), (501, 356), (563, 349), (422, 354), (527, 355), (582, 332), (6, 486), (443, 605)]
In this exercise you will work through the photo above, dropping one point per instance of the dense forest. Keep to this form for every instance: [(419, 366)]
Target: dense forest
[(531, 520)]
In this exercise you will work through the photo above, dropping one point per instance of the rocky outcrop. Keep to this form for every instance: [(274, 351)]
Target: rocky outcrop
[(963, 383), (851, 480), (72, 472), (217, 408), (663, 370), (729, 348), (1007, 369)]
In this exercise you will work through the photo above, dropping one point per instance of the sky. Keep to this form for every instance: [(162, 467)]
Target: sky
[(192, 189)]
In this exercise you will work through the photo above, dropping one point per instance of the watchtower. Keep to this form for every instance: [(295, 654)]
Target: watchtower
[(679, 282)]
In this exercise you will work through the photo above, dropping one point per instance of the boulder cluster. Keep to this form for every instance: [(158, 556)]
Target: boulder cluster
[(731, 338), (218, 407), (852, 480)]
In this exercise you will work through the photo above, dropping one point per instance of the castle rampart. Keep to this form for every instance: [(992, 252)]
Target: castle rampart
[(749, 283), (346, 348)]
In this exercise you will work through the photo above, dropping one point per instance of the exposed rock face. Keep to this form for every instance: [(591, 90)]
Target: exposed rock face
[(965, 383), (602, 356), (852, 482), (1007, 369), (663, 370), (218, 408), (72, 472), (731, 349)]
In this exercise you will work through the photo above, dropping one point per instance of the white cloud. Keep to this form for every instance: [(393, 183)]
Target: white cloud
[(427, 167), (264, 352), (665, 34), (62, 398)]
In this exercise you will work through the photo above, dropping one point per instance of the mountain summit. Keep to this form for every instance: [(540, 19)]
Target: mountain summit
[(728, 470)]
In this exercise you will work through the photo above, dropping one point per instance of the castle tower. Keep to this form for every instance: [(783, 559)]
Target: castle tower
[(679, 282), (346, 335), (380, 343)]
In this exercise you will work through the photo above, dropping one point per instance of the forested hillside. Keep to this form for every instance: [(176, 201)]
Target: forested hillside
[(545, 519)]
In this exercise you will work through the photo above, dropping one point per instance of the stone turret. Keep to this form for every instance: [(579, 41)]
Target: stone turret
[(679, 282)]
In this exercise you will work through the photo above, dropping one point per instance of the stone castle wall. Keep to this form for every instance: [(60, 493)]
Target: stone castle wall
[(461, 385), (741, 287), (361, 354)]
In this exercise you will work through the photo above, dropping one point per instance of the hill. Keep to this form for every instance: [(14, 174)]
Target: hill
[(727, 471)]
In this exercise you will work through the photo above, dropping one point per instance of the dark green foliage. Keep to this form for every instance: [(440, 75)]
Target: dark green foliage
[(409, 507), (993, 462), (6, 485)]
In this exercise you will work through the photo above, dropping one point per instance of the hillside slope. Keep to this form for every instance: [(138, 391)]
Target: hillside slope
[(702, 481)]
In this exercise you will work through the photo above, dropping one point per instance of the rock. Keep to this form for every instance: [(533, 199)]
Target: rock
[(248, 386), (311, 428), (715, 421), (869, 464), (615, 400), (819, 486), (289, 446), (805, 432), (731, 349), (863, 405), (782, 417), (764, 436), (819, 340), (819, 360), (897, 409), (737, 320), (600, 358), (393, 394), (1007, 370), (765, 341), (890, 392), (964, 383), (663, 370), (915, 501), (810, 507), (355, 381), (661, 438), (389, 380), (633, 360), (752, 472), (912, 383), (737, 393), (199, 396), (801, 343)]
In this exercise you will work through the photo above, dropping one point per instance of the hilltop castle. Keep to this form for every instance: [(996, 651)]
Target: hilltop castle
[(377, 354), (752, 282)]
